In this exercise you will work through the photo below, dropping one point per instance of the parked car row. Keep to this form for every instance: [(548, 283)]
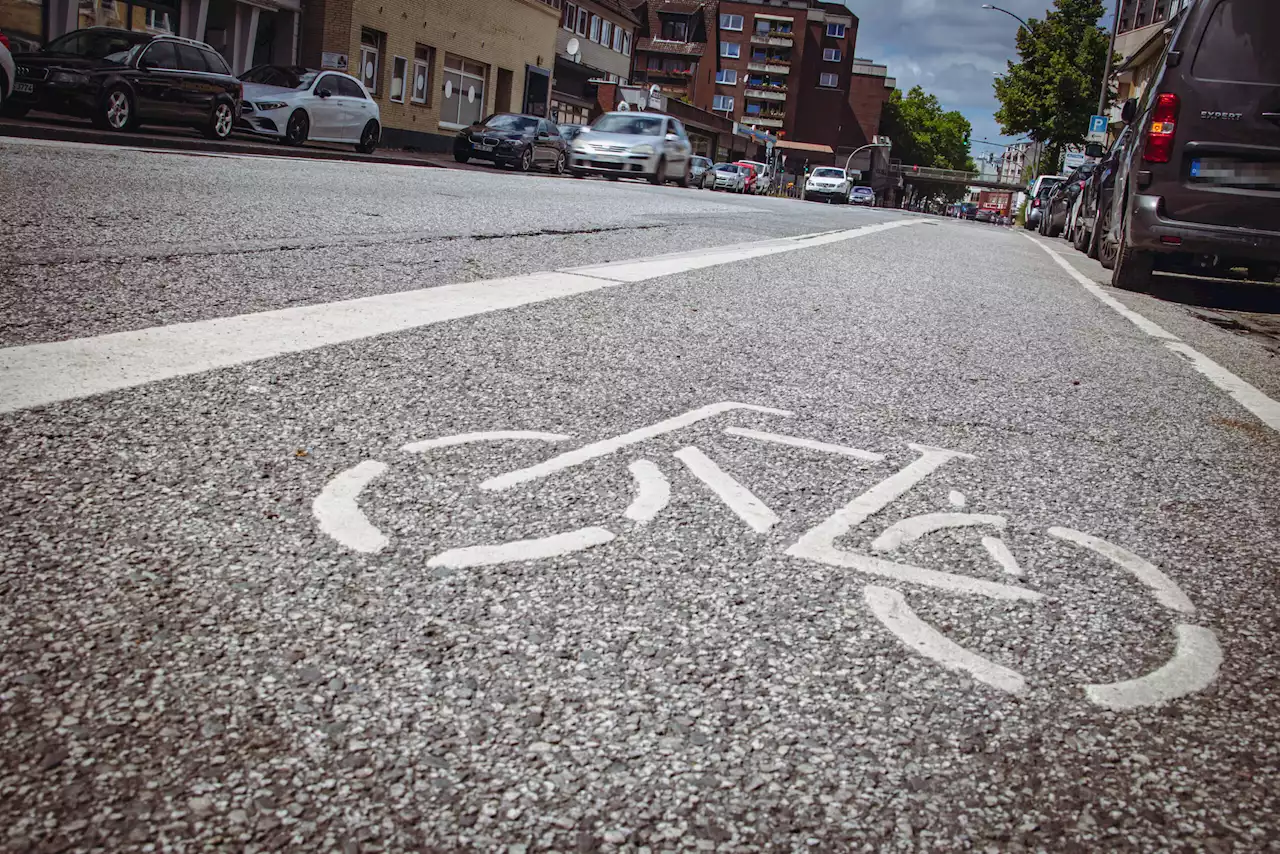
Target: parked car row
[(120, 79)]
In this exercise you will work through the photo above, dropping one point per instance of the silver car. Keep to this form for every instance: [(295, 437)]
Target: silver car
[(633, 145), (729, 176)]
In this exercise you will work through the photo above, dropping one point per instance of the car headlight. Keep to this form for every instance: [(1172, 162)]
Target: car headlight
[(642, 149), (267, 106), (68, 77)]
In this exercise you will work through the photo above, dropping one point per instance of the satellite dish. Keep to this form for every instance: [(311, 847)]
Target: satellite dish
[(624, 107), (573, 47)]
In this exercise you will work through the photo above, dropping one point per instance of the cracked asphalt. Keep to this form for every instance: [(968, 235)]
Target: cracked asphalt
[(189, 661)]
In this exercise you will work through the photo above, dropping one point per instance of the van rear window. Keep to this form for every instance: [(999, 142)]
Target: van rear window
[(1239, 43)]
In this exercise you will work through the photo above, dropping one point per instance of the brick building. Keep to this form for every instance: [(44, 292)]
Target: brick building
[(603, 33), (435, 66)]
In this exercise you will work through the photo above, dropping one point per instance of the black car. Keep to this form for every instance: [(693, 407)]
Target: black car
[(515, 140), (120, 78), (1097, 197), (1062, 199)]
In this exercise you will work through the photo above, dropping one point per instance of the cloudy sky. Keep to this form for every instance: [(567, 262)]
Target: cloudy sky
[(950, 47)]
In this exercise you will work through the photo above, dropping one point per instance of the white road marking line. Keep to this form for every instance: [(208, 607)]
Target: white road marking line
[(1166, 591), (523, 550), (892, 609), (810, 444), (1001, 554), (40, 374), (608, 446), (914, 527), (949, 581), (1265, 408), (1193, 668), (741, 501), (484, 436), (339, 515), (653, 492), (956, 499)]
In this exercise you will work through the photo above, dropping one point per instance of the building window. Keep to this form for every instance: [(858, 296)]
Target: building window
[(595, 28), (828, 79), (626, 43), (723, 103), (399, 71), (831, 54), (617, 38), (606, 33), (158, 21), (420, 89), (653, 62), (583, 18), (371, 42), (463, 91), (730, 50), (569, 16), (675, 30), (731, 22), (836, 31), (727, 76)]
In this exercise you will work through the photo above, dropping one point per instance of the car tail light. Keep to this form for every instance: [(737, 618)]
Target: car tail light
[(4, 40), (1164, 121), (1035, 203)]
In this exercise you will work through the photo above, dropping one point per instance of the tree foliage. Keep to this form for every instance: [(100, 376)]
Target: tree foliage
[(1052, 91), (923, 134)]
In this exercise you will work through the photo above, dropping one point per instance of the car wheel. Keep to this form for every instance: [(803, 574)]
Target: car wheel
[(525, 163), (684, 179), (115, 111), (368, 138), (461, 156), (297, 128), (221, 121), (659, 175), (1082, 237), (1133, 268), (562, 163)]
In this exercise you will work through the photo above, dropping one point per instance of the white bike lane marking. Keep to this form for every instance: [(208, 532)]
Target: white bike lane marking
[(486, 436), (653, 492), (738, 498), (1250, 397), (808, 444), (1193, 668), (38, 374), (339, 515)]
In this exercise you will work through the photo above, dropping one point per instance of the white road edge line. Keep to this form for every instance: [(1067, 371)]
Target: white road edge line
[(339, 515), (742, 501), (653, 492), (1251, 398), (810, 444), (892, 609), (1193, 668), (40, 374)]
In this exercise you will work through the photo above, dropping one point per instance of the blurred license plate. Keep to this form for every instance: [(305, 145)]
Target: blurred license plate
[(24, 87), (483, 147), (1228, 172)]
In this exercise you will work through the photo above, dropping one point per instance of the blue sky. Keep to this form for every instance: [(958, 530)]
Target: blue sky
[(950, 47)]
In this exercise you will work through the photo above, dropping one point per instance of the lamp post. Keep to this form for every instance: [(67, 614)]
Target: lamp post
[(857, 151), (1030, 32), (1025, 25), (1111, 51)]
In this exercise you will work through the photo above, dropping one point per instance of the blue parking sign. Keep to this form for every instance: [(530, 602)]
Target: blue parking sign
[(1097, 128)]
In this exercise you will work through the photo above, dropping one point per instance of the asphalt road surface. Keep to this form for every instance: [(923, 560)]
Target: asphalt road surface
[(368, 508)]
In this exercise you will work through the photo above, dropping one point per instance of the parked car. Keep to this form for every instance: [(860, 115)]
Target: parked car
[(1197, 187), (967, 210), (699, 172), (984, 216), (515, 140), (1054, 219), (295, 104), (1037, 195), (634, 145), (570, 132), (763, 176), (729, 176), (6, 70), (828, 184), (120, 78), (751, 176), (864, 196), (1097, 197)]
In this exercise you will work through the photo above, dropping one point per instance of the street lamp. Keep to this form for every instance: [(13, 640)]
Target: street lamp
[(1010, 14), (857, 151)]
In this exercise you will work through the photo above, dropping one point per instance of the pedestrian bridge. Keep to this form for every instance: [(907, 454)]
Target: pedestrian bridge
[(951, 176)]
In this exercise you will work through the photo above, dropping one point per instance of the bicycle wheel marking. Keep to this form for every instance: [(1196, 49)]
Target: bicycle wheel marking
[(1000, 554), (1167, 593), (338, 513), (742, 501), (1193, 668), (523, 550), (913, 528), (653, 492)]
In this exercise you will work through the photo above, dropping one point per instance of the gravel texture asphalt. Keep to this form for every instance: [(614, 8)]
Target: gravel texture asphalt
[(189, 662)]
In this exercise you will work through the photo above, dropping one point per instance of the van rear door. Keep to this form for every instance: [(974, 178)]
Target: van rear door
[(1224, 168)]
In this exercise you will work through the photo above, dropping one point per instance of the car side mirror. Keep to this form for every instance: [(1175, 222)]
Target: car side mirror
[(671, 137), (1094, 149), (144, 65), (323, 93), (1129, 111), (543, 136)]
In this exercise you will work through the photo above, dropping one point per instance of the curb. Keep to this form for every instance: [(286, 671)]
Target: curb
[(25, 130)]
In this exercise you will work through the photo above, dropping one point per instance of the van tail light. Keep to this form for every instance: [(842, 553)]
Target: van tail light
[(4, 40), (1035, 203), (1164, 121)]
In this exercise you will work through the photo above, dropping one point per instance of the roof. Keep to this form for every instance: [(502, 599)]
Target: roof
[(619, 8), (678, 48), (803, 146)]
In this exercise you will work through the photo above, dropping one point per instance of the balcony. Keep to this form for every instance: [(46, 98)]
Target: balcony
[(675, 74), (763, 121), (770, 66), (773, 93), (776, 39)]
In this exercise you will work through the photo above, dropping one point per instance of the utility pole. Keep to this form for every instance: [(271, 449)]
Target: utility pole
[(1111, 51)]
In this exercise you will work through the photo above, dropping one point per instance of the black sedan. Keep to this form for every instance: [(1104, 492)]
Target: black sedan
[(515, 140), (119, 78), (1062, 199)]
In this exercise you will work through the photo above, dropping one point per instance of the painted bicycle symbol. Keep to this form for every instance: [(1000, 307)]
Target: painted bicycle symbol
[(1193, 666)]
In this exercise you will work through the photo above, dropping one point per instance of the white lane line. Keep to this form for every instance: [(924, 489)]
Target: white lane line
[(914, 527), (740, 500), (39, 374), (1265, 408), (892, 609), (653, 492), (1001, 554), (1166, 591), (1152, 329), (608, 446), (810, 444), (523, 550), (484, 436), (339, 515), (1193, 668)]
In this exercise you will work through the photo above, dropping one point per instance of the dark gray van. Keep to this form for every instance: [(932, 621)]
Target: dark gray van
[(1198, 189)]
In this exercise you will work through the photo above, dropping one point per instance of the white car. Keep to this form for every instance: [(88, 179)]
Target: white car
[(295, 104), (7, 73), (728, 176), (829, 184), (764, 178)]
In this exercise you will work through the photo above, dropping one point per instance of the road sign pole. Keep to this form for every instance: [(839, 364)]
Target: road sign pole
[(1106, 75)]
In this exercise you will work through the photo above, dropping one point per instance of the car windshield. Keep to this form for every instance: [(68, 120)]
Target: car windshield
[(112, 46), (621, 123), (725, 167), (275, 75), (838, 174), (864, 191), (509, 121)]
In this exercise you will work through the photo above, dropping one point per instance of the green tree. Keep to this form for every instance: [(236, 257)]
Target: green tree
[(1052, 90), (924, 134)]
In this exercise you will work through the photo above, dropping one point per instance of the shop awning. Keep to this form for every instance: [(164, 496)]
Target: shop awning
[(788, 145)]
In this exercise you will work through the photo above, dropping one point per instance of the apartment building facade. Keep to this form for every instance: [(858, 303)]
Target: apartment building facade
[(602, 36), (436, 66)]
